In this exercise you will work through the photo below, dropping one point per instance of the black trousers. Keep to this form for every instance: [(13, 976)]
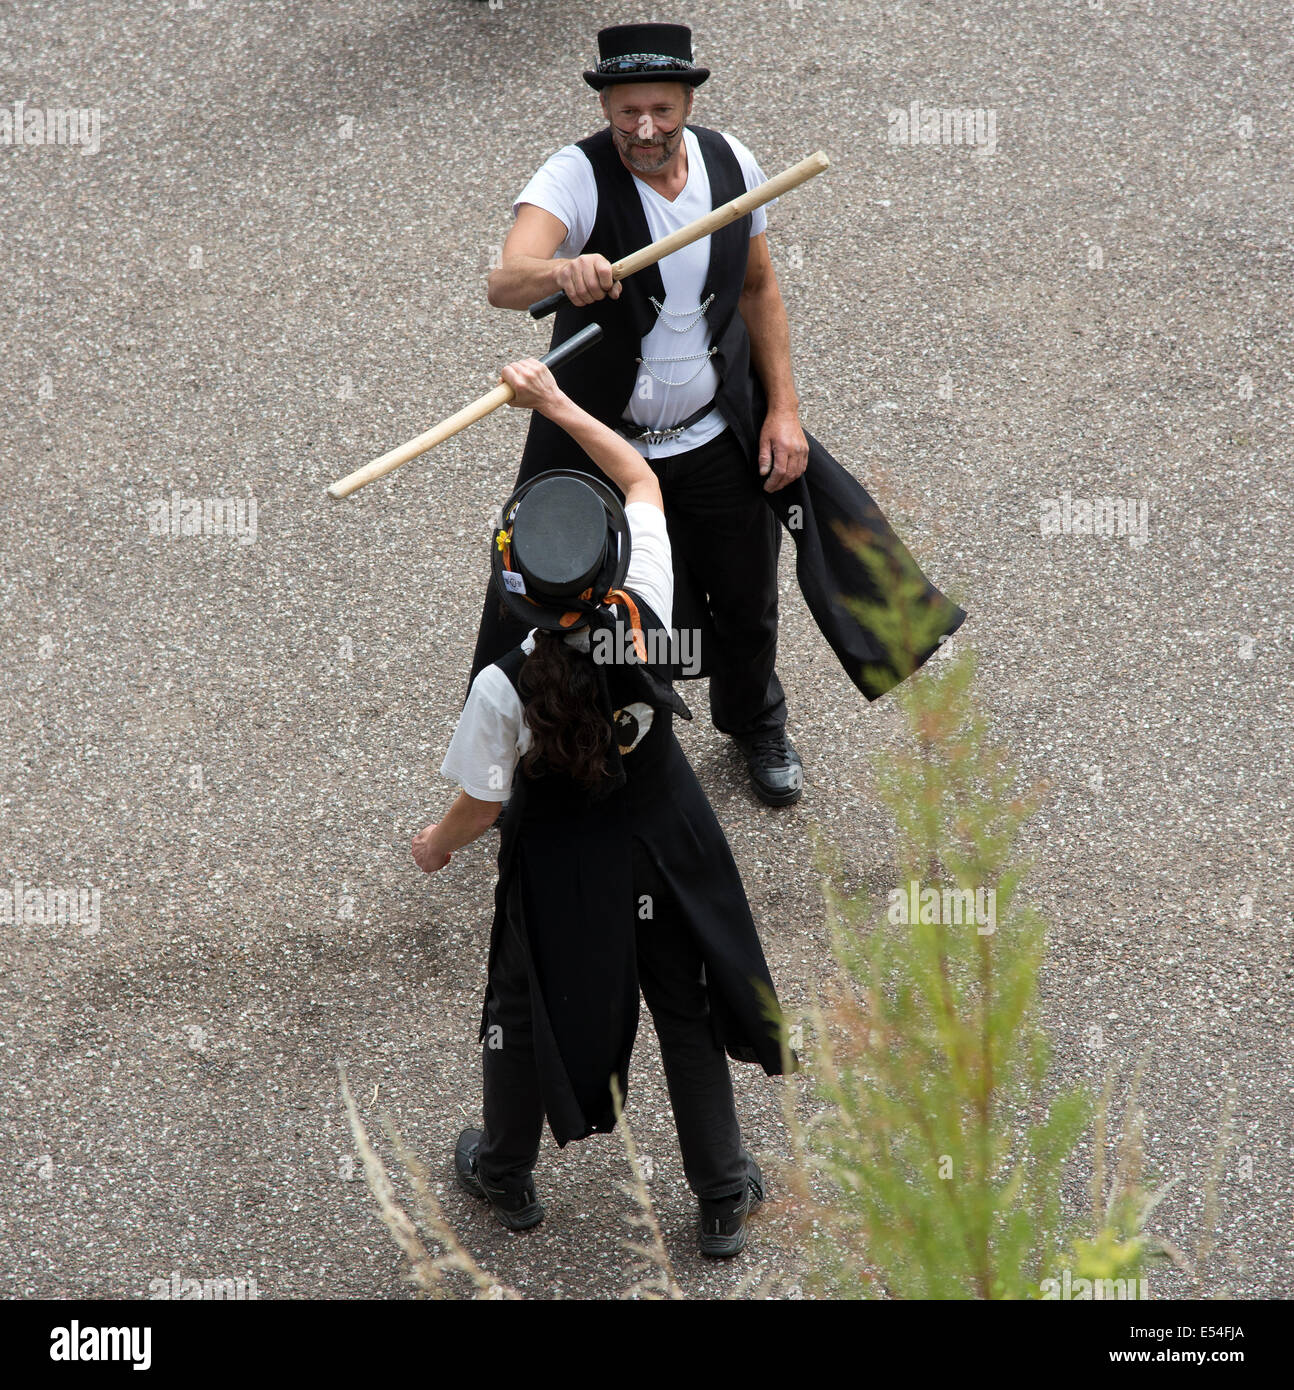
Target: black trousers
[(696, 1066), (725, 540)]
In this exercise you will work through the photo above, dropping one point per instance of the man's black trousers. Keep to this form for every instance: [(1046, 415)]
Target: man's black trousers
[(696, 1066), (725, 539)]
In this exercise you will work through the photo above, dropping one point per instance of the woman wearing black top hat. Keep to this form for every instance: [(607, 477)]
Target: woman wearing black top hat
[(613, 871)]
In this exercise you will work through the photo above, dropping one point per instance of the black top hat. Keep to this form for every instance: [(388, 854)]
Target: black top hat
[(562, 546), (645, 53)]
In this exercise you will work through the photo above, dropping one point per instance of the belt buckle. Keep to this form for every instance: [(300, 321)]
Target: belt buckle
[(660, 436)]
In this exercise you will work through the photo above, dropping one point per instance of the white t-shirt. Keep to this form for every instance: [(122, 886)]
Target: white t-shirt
[(492, 735), (566, 187)]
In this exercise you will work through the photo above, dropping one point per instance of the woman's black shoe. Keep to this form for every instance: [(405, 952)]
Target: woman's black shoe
[(722, 1225), (518, 1211)]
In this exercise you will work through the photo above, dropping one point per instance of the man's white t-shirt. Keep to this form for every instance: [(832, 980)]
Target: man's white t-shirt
[(492, 735), (566, 187)]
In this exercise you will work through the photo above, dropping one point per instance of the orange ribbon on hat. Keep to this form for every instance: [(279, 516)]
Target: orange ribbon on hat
[(613, 596)]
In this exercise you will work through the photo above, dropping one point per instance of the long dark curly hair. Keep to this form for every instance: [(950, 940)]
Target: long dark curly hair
[(571, 735)]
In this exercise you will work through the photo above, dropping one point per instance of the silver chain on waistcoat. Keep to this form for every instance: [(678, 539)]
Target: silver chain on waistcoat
[(662, 314)]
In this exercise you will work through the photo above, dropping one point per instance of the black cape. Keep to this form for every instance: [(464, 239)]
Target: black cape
[(566, 883)]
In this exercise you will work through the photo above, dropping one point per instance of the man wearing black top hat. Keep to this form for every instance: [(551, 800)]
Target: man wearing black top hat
[(694, 370)]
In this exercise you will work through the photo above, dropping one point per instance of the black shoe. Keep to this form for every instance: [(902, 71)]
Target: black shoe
[(722, 1225), (518, 1211), (776, 772)]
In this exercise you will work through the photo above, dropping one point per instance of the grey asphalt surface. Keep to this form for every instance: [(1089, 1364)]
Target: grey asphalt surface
[(233, 743)]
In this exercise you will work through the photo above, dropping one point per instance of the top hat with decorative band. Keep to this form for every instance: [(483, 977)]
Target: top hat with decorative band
[(645, 53)]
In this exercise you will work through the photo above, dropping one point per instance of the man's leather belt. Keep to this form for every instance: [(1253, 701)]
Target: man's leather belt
[(644, 435)]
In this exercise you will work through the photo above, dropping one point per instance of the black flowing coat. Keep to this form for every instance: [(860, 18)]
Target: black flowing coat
[(878, 612), (566, 883)]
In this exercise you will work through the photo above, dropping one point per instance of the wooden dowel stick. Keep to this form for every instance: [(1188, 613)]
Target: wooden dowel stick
[(730, 211)]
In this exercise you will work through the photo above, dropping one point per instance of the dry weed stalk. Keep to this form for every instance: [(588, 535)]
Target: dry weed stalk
[(426, 1270), (653, 1257)]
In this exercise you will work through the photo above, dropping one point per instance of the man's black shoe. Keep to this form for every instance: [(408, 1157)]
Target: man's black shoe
[(776, 772), (722, 1224), (518, 1211)]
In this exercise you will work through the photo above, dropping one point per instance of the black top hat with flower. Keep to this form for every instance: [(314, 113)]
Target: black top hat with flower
[(559, 558), (645, 53)]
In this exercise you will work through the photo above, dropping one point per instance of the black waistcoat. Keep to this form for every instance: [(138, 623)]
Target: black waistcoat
[(602, 379)]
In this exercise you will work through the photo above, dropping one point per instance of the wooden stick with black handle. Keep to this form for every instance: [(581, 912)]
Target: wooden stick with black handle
[(703, 226), (460, 420)]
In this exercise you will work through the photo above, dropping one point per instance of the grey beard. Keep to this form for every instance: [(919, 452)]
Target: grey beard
[(635, 157)]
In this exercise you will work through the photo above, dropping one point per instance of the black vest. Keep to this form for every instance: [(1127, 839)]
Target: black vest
[(602, 379)]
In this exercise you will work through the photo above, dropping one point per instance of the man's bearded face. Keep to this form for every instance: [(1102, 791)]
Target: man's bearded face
[(647, 120)]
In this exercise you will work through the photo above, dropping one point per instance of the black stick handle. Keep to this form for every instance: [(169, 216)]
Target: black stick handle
[(541, 308), (574, 345)]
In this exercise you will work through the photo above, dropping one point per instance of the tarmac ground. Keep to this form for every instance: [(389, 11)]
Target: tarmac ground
[(271, 267)]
